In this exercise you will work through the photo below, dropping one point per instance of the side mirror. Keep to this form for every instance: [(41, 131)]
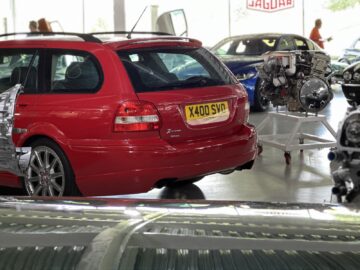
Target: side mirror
[(173, 22)]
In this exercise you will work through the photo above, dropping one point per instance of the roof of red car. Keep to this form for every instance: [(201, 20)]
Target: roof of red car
[(154, 41), (114, 43)]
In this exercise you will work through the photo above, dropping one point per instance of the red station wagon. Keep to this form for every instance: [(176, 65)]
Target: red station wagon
[(123, 116)]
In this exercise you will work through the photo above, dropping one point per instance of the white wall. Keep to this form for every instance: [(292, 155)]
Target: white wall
[(98, 14), (6, 23), (208, 20)]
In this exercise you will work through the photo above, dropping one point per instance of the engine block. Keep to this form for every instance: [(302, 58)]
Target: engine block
[(296, 79)]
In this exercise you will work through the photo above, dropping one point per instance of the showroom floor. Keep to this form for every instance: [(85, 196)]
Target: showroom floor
[(306, 179)]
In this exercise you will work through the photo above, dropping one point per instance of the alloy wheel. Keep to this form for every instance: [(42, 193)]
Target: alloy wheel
[(45, 175)]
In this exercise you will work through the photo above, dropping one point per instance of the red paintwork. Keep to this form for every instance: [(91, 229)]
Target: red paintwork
[(108, 162)]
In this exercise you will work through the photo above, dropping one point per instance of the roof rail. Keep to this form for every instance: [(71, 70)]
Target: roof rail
[(85, 37), (171, 38), (129, 33), (195, 42)]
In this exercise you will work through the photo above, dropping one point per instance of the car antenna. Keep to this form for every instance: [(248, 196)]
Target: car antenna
[(132, 29)]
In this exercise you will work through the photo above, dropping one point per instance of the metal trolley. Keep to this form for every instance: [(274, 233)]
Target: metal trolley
[(295, 139)]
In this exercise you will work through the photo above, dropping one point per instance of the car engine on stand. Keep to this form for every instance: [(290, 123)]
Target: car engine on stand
[(297, 80), (346, 158)]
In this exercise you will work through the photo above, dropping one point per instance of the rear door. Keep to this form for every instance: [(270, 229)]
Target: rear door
[(70, 105), (195, 95)]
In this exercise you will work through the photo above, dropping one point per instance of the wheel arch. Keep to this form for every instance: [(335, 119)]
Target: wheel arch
[(34, 138), (31, 139)]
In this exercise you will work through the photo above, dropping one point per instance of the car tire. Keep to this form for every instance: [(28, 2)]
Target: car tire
[(261, 103), (184, 182), (49, 172)]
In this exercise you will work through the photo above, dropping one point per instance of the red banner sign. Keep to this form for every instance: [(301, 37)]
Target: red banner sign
[(270, 5)]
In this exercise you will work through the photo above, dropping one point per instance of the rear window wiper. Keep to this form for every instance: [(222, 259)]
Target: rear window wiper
[(196, 81)]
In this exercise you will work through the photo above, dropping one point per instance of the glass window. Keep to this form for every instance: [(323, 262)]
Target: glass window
[(286, 44), (255, 46), (247, 46), (74, 72), (224, 49), (301, 44), (167, 69), (311, 45), (177, 63), (19, 67)]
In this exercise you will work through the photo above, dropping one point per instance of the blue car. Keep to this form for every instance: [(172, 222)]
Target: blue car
[(243, 53)]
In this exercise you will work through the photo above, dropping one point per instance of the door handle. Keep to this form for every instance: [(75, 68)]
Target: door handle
[(22, 105)]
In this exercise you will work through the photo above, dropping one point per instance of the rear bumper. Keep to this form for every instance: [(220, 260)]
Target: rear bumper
[(133, 169)]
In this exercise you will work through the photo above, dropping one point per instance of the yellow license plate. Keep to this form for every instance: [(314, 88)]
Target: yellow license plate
[(207, 112)]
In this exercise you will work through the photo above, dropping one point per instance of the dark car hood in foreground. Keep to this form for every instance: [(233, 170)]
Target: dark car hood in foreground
[(130, 234)]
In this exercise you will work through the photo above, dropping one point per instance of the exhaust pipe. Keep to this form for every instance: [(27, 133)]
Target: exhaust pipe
[(246, 166), (164, 182)]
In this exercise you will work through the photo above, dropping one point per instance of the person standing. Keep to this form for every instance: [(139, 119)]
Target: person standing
[(315, 34), (33, 26)]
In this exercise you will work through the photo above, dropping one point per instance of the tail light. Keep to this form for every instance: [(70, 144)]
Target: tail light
[(243, 107), (136, 116)]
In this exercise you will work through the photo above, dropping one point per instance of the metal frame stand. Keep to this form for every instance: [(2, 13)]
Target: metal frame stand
[(295, 140)]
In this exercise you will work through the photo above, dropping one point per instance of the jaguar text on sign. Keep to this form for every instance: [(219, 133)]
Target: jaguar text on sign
[(269, 5)]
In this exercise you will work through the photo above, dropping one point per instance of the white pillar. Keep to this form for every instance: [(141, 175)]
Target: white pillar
[(154, 15), (119, 15), (13, 14)]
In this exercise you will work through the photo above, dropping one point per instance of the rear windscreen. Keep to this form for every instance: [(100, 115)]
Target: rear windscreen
[(168, 69)]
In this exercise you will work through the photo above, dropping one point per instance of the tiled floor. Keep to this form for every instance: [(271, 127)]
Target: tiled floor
[(307, 179)]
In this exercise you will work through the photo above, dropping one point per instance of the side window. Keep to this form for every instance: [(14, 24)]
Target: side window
[(74, 72), (241, 48), (301, 44), (224, 49), (19, 67), (286, 44), (311, 45)]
